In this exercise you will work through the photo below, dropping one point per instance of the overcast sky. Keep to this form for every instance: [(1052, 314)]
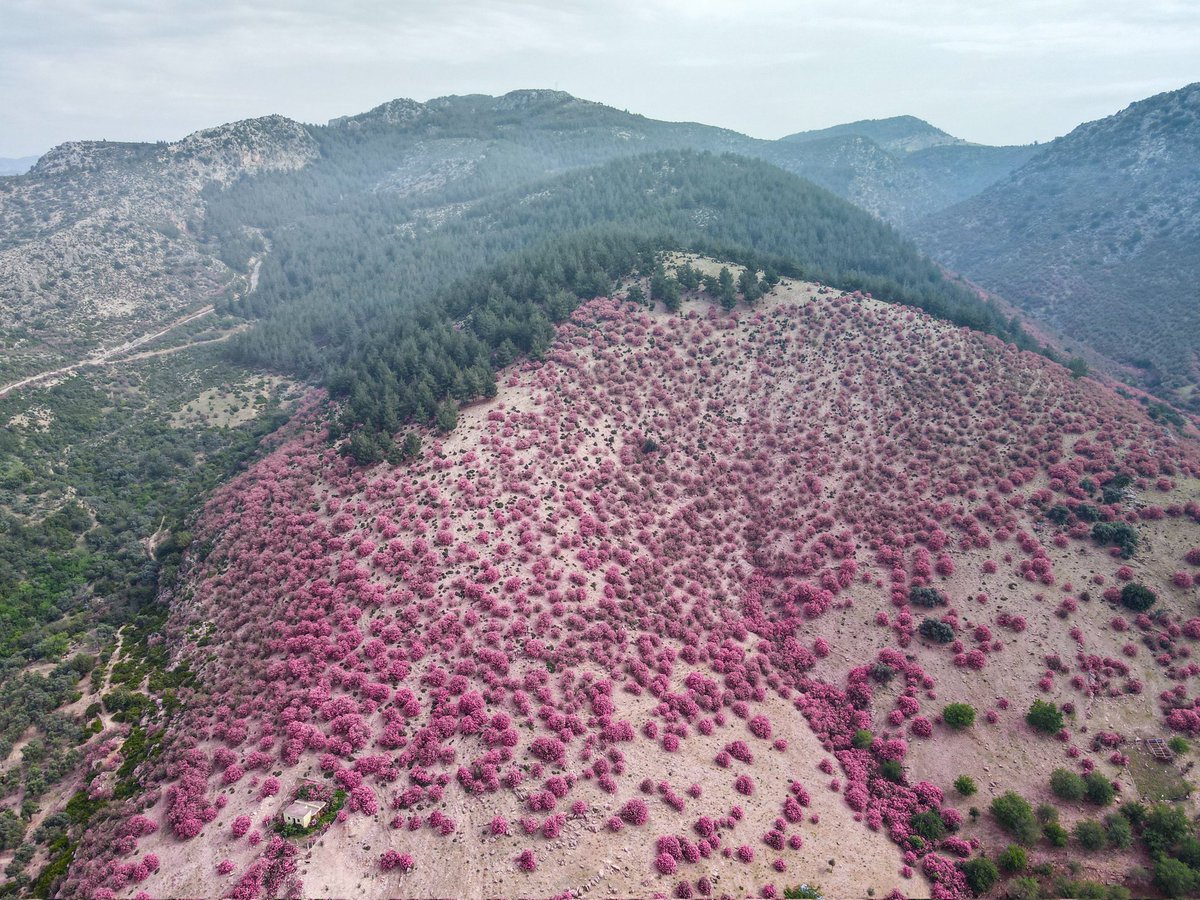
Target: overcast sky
[(1012, 71)]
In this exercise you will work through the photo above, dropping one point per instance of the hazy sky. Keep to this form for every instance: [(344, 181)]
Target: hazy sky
[(994, 72)]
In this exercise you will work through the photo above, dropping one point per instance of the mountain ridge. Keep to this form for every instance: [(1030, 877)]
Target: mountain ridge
[(1096, 233)]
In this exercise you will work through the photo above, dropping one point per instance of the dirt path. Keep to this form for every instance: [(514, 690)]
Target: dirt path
[(104, 356), (191, 345)]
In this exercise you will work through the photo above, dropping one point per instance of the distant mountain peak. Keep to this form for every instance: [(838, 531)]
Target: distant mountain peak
[(903, 134), (530, 97), (400, 111)]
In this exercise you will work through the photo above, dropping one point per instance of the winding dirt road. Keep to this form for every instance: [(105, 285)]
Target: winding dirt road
[(102, 357)]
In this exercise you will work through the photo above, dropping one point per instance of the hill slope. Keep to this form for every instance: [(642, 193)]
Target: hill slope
[(618, 631), (98, 243), (104, 241), (1098, 235)]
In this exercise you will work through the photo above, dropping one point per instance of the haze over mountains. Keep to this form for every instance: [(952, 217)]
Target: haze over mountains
[(16, 165)]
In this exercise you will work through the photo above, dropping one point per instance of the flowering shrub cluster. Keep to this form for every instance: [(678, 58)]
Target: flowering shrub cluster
[(659, 516)]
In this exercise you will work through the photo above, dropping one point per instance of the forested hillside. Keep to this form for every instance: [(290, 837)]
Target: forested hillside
[(357, 287), (1099, 235)]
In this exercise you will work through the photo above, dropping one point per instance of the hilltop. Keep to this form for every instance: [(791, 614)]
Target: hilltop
[(903, 134)]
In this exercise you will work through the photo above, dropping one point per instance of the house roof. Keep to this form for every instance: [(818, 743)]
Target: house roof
[(301, 808)]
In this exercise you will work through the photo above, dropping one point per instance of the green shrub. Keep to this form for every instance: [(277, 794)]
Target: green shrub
[(1013, 860), (862, 739), (1137, 597), (981, 874), (802, 892), (925, 596), (1090, 834), (965, 785), (1055, 834), (1067, 785), (1099, 789), (959, 715), (1044, 717), (1015, 815), (1187, 851), (929, 825), (1179, 745), (1119, 534), (1023, 888), (938, 632), (1166, 826), (1135, 812), (1118, 832), (892, 770), (1175, 879)]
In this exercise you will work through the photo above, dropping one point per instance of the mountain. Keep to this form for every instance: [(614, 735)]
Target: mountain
[(97, 240), (902, 168), (121, 223), (899, 134), (16, 165), (1098, 234)]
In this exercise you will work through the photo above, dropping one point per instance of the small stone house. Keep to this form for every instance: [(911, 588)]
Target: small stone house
[(302, 812)]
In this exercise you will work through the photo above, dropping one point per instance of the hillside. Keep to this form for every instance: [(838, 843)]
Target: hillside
[(359, 255), (103, 239), (1097, 235), (651, 619), (98, 241), (576, 502)]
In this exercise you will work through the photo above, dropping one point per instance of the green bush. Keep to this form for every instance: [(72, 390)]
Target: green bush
[(929, 825), (1118, 534), (862, 739), (1067, 785), (1015, 815), (1013, 860), (1179, 745), (1118, 832), (892, 770), (1044, 717), (1187, 851), (1090, 834), (981, 874), (1165, 826), (1174, 878), (959, 715), (1135, 812), (1137, 597), (1023, 888), (965, 785), (1055, 834), (1046, 813), (925, 596), (1099, 789), (938, 632)]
